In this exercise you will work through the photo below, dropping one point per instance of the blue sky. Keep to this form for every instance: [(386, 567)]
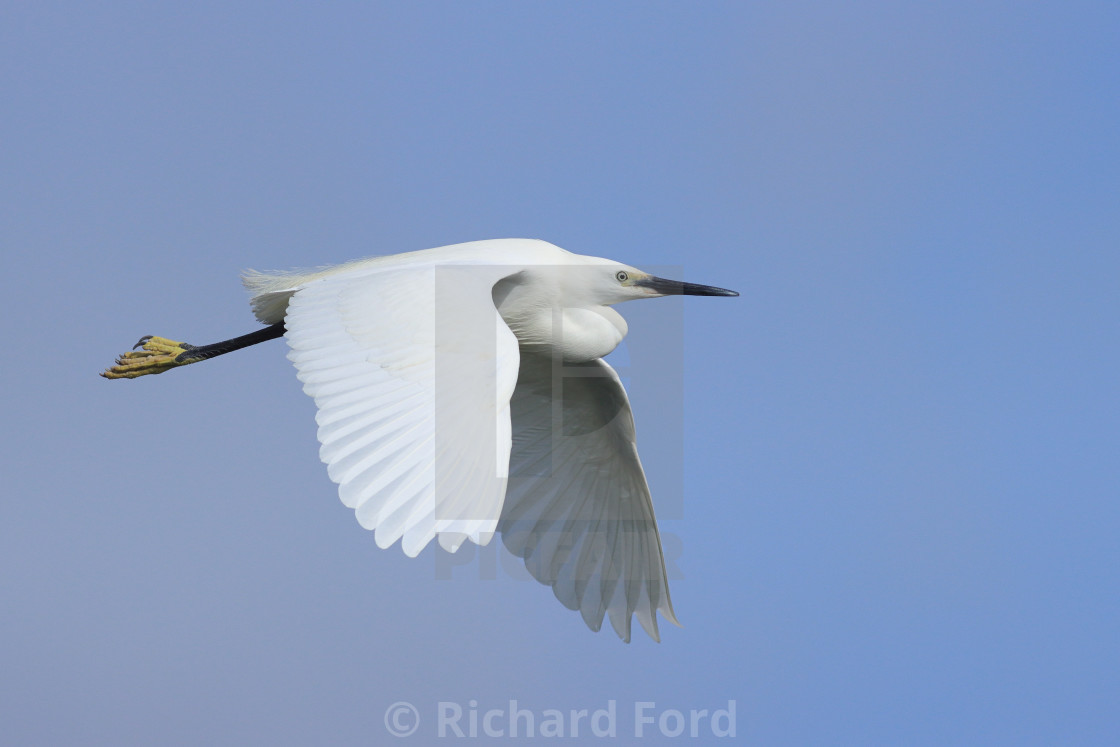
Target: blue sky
[(887, 471)]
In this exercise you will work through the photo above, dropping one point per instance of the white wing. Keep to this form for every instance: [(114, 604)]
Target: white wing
[(411, 369), (578, 508)]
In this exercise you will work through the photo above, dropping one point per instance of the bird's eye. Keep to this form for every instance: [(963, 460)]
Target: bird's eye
[(622, 276)]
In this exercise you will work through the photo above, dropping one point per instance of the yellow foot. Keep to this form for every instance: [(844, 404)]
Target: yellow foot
[(156, 355)]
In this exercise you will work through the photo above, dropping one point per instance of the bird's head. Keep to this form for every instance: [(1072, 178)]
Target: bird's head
[(614, 283)]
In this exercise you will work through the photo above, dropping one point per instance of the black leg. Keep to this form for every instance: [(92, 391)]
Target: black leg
[(158, 354), (202, 352)]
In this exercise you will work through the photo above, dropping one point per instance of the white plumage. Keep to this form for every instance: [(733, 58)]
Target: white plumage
[(461, 391)]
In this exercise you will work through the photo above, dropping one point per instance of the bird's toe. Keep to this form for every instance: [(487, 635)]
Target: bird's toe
[(156, 355)]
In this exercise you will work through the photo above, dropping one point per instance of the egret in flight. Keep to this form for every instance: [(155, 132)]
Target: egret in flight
[(461, 391)]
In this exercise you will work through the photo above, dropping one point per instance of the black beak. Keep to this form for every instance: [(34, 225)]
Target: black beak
[(677, 288)]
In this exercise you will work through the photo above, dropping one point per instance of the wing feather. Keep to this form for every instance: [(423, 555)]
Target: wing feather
[(578, 508), (411, 370)]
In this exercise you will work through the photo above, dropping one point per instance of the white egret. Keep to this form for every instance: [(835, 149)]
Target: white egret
[(461, 391)]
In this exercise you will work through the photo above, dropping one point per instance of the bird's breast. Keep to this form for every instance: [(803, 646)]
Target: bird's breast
[(578, 334)]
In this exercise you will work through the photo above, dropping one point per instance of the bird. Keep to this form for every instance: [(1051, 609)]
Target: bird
[(461, 392)]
